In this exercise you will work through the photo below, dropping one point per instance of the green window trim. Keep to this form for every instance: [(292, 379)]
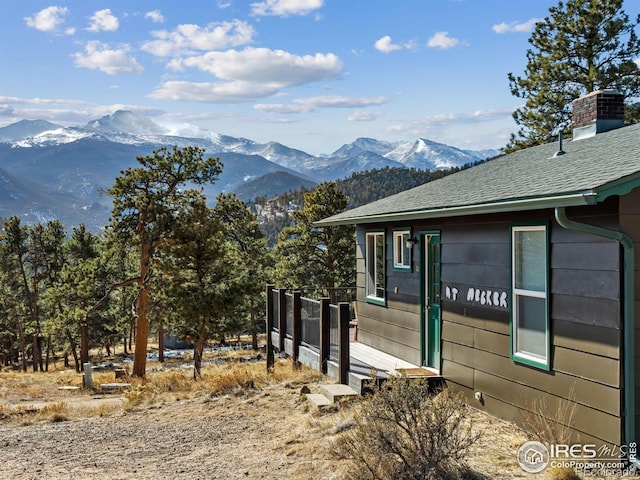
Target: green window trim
[(402, 256), (375, 260), (530, 323)]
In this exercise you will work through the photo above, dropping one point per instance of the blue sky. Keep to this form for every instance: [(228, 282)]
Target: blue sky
[(310, 74)]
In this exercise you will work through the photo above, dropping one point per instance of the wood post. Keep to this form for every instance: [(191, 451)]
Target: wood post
[(296, 332), (282, 318), (270, 323), (87, 380), (325, 333), (344, 318)]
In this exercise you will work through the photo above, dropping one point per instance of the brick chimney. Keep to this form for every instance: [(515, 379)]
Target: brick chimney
[(597, 112)]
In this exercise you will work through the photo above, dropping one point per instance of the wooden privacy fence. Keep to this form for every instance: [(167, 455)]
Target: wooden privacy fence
[(314, 333)]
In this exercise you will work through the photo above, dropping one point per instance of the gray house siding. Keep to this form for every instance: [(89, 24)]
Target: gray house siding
[(394, 329), (585, 317), (630, 224)]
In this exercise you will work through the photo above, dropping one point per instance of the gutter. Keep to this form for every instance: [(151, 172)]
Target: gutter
[(628, 315), (573, 200)]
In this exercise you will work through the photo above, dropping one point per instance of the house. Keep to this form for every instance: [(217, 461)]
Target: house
[(515, 279)]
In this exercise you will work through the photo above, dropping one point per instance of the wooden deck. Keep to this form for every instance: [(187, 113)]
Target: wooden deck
[(364, 359)]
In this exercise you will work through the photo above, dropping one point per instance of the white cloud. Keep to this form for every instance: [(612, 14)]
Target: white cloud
[(364, 116), (38, 101), (211, 92), (98, 56), (523, 27), (49, 19), (188, 38), (384, 45), (103, 21), (66, 111), (6, 110), (443, 40), (309, 104), (285, 8), (155, 16), (262, 66), (637, 60), (448, 119)]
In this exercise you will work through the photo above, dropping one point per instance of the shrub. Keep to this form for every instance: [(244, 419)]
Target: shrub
[(405, 433)]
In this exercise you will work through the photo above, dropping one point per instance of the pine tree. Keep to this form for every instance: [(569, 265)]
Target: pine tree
[(582, 46), (309, 256), (147, 201)]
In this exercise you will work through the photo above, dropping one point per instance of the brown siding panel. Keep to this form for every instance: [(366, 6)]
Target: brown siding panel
[(492, 342), (585, 311), (457, 333), (596, 340), (457, 373), (598, 369)]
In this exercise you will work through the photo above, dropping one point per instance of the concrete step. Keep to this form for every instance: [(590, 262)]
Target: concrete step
[(114, 387), (358, 381), (319, 400), (337, 392)]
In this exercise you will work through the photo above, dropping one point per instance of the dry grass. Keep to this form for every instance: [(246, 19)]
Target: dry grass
[(237, 389)]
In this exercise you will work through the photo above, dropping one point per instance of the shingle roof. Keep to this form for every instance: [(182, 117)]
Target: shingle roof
[(590, 170)]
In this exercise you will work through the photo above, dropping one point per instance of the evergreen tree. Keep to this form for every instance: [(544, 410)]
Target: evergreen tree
[(248, 244), (309, 256), (581, 47), (147, 201)]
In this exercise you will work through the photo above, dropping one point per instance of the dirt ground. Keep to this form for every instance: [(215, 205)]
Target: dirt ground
[(267, 432)]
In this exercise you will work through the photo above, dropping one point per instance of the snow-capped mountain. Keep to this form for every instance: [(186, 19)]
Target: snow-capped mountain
[(82, 161), (427, 154), (24, 129)]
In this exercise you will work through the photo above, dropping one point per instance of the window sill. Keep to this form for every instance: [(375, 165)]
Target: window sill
[(377, 301), (530, 362)]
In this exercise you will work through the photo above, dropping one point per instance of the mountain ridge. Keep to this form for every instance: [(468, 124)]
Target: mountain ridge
[(82, 161)]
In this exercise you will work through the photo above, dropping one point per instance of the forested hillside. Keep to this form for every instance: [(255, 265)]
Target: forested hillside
[(360, 188)]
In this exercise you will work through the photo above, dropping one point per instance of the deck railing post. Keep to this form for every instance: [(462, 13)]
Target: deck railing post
[(270, 323), (282, 318), (296, 332), (325, 333), (344, 318)]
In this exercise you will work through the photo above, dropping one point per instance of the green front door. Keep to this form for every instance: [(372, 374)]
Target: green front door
[(430, 260)]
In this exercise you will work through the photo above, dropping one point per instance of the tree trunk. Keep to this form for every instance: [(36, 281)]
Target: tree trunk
[(254, 328), (161, 342), (72, 345), (142, 311), (132, 329), (198, 349), (84, 343), (46, 363), (35, 351), (23, 346)]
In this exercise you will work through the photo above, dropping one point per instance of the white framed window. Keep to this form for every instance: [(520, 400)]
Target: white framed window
[(401, 252), (530, 335), (375, 260)]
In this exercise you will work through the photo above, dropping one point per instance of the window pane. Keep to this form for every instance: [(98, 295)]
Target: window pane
[(401, 254), (532, 325), (375, 265), (371, 264), (530, 259), (379, 265), (406, 255)]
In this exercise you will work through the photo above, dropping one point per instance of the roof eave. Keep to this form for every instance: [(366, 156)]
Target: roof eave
[(571, 200), (621, 187)]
